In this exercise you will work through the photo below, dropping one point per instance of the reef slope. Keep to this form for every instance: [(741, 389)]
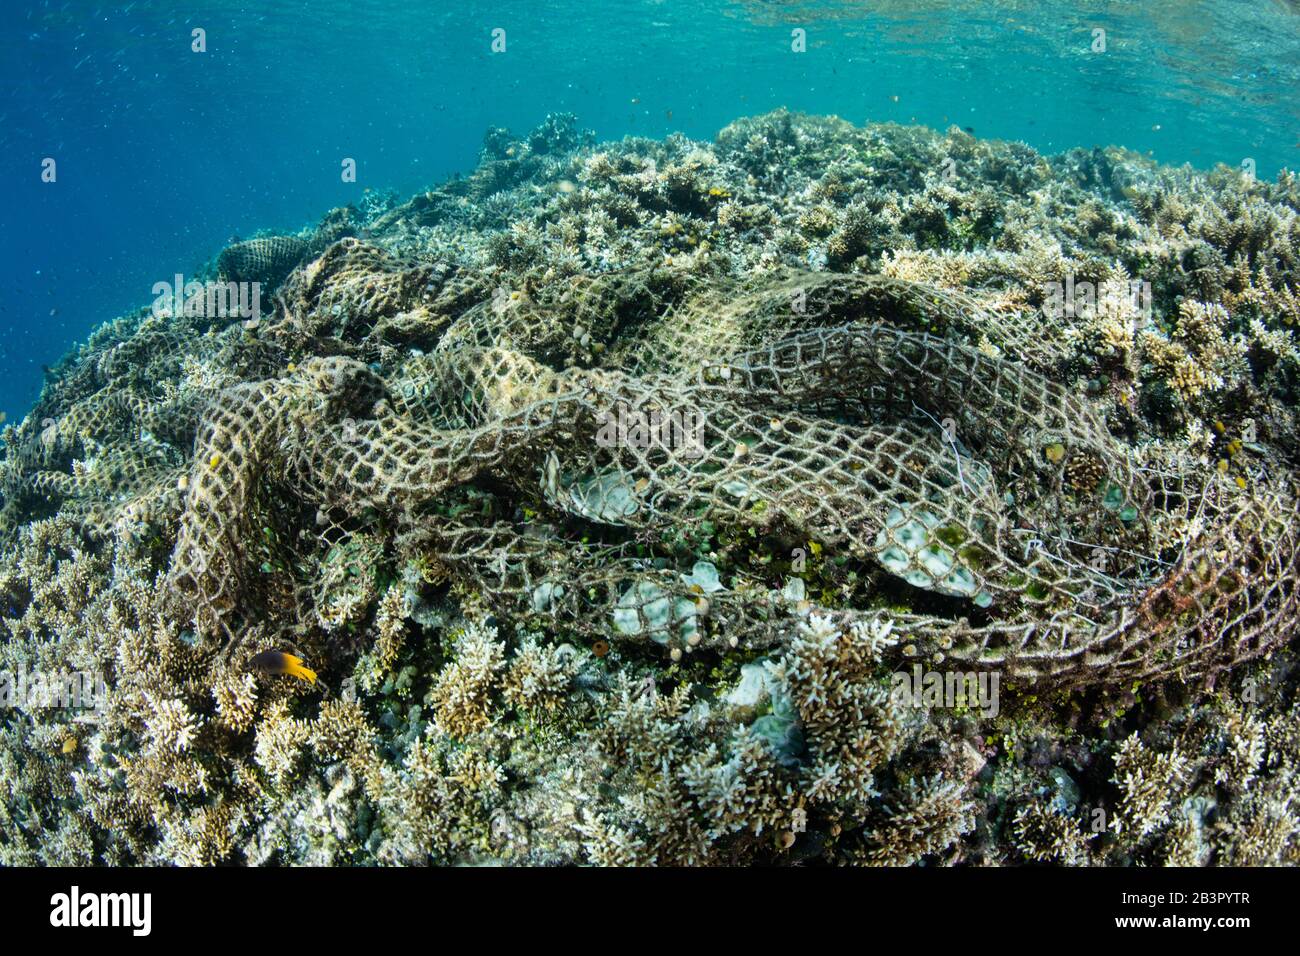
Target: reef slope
[(611, 489)]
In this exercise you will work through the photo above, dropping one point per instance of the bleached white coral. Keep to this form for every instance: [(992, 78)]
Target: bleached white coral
[(279, 744), (172, 726), (1149, 781), (1046, 834), (236, 699), (876, 635)]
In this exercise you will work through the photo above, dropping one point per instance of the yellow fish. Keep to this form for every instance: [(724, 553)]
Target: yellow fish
[(278, 662)]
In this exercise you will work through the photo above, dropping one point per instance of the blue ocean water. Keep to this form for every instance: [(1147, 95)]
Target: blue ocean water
[(163, 153)]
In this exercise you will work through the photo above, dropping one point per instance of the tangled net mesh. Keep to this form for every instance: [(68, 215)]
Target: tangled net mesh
[(564, 450)]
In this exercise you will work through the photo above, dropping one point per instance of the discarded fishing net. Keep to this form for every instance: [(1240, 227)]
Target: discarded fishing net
[(268, 260), (986, 505)]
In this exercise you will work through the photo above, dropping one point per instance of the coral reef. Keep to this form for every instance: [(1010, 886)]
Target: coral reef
[(611, 488)]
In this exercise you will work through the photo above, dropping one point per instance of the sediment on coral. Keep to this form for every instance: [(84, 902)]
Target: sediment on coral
[(608, 488)]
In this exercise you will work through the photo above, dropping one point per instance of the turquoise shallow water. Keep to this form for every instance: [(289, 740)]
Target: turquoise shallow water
[(164, 153)]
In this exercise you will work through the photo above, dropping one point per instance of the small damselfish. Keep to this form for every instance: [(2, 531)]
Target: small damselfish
[(278, 662)]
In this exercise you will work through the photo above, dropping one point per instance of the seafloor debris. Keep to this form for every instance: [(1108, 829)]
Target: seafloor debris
[(610, 489)]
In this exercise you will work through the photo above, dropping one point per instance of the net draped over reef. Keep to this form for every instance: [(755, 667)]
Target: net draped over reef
[(606, 548)]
